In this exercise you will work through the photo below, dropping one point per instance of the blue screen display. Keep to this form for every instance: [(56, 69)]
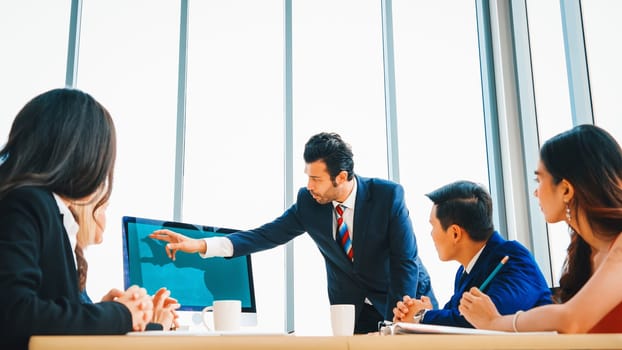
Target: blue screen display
[(195, 282)]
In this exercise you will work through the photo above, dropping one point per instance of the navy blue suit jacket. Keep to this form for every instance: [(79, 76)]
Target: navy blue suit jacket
[(386, 265), (38, 279), (519, 285)]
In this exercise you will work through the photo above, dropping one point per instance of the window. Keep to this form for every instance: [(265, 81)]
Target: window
[(439, 110), (337, 87), (552, 98), (604, 54), (128, 62), (33, 60), (234, 139), (233, 174)]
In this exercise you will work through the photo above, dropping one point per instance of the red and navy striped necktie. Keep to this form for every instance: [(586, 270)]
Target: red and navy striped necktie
[(343, 235)]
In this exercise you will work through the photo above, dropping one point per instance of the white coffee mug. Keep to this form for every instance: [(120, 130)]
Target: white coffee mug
[(342, 319), (226, 315)]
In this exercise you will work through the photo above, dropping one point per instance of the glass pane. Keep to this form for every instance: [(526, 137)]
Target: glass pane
[(234, 145), (338, 87), (33, 60), (602, 27), (440, 115), (551, 94), (128, 61)]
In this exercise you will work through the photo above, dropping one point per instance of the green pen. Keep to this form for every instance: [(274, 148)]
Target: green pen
[(493, 273)]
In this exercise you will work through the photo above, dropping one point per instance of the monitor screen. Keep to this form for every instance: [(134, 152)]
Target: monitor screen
[(195, 282)]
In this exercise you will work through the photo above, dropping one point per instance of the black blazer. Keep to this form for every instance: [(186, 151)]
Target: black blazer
[(386, 264), (38, 278)]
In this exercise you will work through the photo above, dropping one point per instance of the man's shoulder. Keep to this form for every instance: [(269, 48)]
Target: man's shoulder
[(304, 195), (377, 184), (377, 181), (305, 202), (500, 246), (512, 248)]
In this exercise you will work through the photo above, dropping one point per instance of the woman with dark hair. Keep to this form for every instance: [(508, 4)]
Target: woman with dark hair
[(60, 154), (579, 181)]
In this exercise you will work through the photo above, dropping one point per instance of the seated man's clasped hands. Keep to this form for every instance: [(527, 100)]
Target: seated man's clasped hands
[(411, 310)]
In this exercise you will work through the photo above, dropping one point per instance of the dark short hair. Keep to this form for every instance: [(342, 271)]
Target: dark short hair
[(330, 148), (62, 140), (466, 204)]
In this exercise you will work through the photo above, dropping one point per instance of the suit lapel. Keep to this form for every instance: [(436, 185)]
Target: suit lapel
[(326, 223)]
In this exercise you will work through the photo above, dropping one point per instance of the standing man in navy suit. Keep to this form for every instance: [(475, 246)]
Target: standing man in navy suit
[(462, 230), (360, 225)]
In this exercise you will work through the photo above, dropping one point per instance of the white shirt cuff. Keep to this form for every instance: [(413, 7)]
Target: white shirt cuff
[(217, 246)]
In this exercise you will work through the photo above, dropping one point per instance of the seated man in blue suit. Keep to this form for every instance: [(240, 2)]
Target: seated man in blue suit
[(462, 230), (360, 225)]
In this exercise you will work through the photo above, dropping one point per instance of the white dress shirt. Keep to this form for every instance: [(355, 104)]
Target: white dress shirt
[(348, 213), (471, 263), (70, 224)]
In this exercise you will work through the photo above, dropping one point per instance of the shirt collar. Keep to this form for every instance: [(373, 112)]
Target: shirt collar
[(70, 224), (350, 201), (471, 263)]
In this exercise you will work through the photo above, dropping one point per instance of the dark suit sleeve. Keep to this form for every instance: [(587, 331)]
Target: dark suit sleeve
[(280, 231), (154, 327), (520, 284), (37, 286), (447, 316)]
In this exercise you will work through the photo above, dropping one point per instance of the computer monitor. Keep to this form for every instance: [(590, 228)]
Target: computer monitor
[(195, 282)]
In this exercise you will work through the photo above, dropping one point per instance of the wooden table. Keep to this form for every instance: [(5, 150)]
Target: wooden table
[(362, 342)]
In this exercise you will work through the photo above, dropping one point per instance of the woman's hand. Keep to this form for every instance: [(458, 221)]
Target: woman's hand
[(164, 309), (112, 295), (177, 241), (140, 305), (478, 309)]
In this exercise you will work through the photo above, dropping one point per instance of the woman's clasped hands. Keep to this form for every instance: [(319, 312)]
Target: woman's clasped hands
[(159, 308)]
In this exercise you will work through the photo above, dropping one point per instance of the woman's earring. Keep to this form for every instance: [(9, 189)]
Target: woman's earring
[(568, 217)]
